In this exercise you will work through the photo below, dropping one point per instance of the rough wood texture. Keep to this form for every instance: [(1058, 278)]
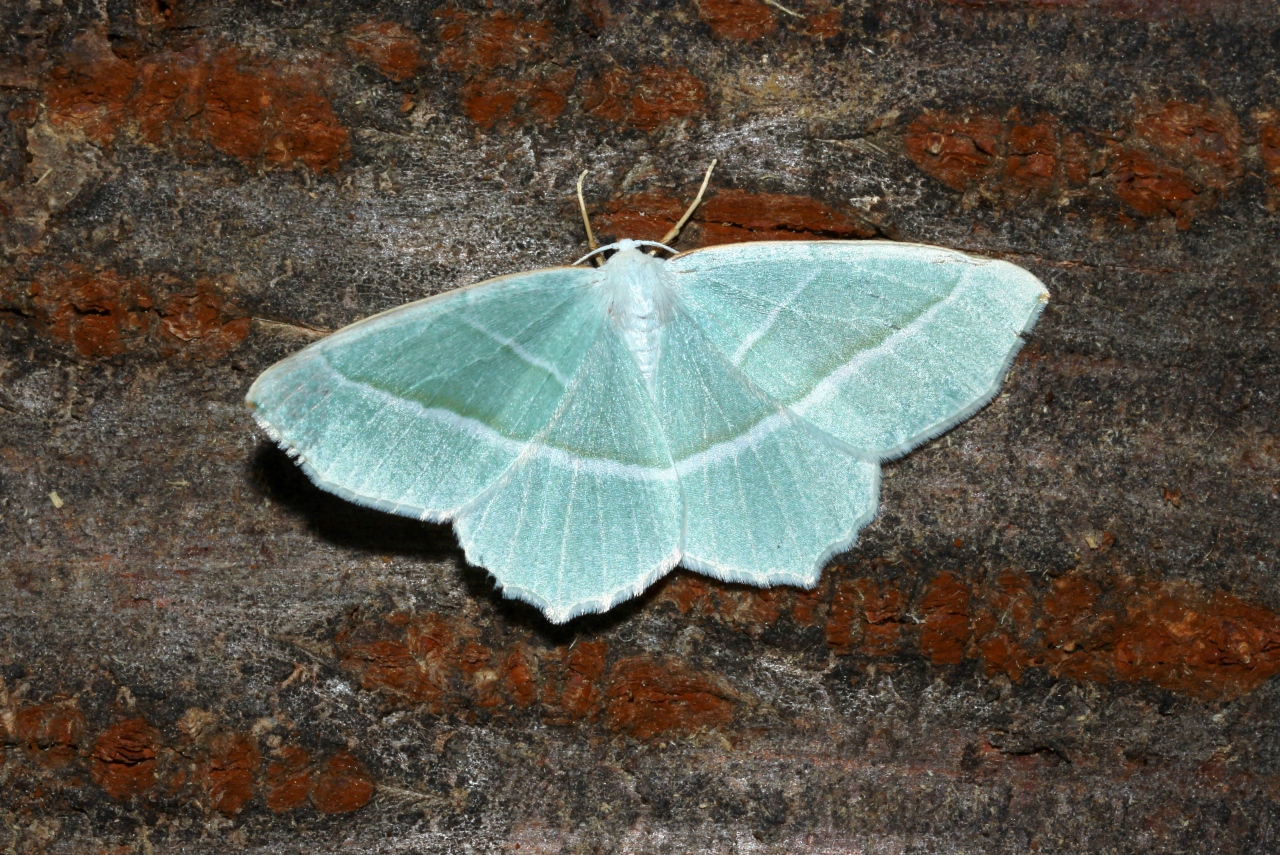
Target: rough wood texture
[(1059, 635)]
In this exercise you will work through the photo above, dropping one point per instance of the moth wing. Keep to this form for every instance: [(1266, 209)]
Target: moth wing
[(590, 514), (768, 498), (419, 409), (882, 345)]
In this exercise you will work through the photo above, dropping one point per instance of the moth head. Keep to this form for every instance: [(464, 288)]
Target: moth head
[(626, 245), (634, 283)]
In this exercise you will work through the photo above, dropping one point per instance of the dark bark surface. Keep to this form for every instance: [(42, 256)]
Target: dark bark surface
[(1058, 636)]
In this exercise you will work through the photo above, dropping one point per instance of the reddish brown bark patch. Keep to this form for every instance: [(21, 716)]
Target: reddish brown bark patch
[(229, 774), (393, 48), (1033, 154), (519, 677), (45, 725), (1177, 159), (843, 628), (1005, 158), (100, 314), (1194, 134), (343, 784), (807, 610), (742, 20), (945, 632), (745, 606), (474, 42), (51, 731), (647, 698), (958, 150), (1269, 150), (645, 99), (259, 111), (478, 45), (641, 216), (1172, 635), (883, 611), (585, 665), (1076, 632), (123, 759), (439, 662), (1151, 188), (824, 25), (503, 101), (103, 314), (733, 216), (489, 101), (1180, 160), (436, 661), (170, 89), (289, 779), (200, 322), (256, 110), (391, 668), (1208, 646), (1003, 620), (90, 88)]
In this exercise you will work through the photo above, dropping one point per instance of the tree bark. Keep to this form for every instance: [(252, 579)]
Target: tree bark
[(1058, 635)]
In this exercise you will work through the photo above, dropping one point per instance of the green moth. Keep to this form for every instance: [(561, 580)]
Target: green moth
[(586, 429)]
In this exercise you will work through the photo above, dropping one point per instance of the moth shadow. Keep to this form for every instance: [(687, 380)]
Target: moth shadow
[(346, 524)]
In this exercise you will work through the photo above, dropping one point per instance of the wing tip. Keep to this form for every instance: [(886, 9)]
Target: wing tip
[(1033, 313)]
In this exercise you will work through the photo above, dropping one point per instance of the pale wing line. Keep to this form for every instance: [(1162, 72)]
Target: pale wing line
[(730, 447), (837, 251), (754, 448), (771, 319), (595, 465), (752, 441), (323, 353), (963, 286), (448, 311), (598, 467), (960, 288), (516, 348), (808, 319), (878, 279), (829, 386), (377, 468), (711, 274)]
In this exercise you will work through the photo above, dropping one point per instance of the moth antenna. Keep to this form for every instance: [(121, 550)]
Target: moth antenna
[(586, 219), (675, 230)]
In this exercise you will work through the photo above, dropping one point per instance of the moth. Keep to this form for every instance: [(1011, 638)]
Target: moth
[(586, 429)]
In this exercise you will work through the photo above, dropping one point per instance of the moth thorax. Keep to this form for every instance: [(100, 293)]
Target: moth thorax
[(639, 305)]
